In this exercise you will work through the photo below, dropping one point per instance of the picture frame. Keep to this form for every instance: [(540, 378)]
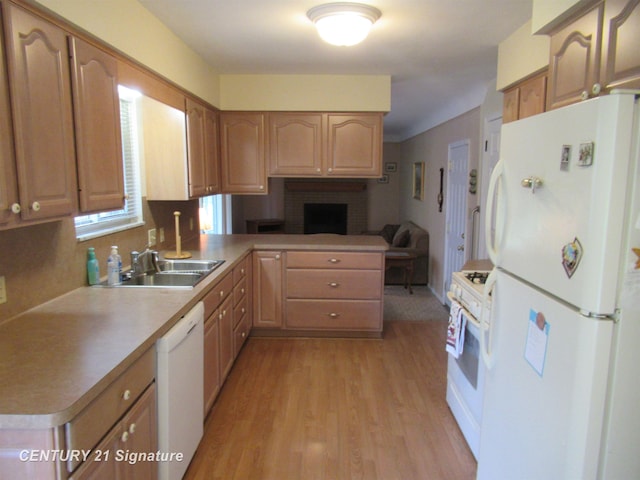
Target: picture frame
[(390, 167), (383, 179), (418, 180)]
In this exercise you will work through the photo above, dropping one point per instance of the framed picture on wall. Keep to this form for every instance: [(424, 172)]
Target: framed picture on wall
[(418, 180)]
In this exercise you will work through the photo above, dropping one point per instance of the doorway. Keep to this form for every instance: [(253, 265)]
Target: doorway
[(456, 208)]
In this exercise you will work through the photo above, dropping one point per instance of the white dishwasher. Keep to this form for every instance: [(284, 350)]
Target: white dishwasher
[(179, 379)]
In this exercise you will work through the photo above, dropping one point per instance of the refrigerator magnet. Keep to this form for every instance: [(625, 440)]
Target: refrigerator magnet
[(571, 256), (585, 158), (537, 339)]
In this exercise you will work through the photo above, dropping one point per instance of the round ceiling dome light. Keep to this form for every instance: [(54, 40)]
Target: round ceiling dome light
[(344, 24)]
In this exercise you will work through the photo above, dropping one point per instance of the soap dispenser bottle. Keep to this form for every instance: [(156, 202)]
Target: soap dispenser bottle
[(114, 267), (93, 267)]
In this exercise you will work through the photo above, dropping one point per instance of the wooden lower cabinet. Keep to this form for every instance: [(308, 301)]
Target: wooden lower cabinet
[(212, 381), (117, 456), (225, 319), (324, 292)]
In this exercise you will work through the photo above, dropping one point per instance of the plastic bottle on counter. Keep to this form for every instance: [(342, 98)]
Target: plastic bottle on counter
[(93, 267), (114, 267)]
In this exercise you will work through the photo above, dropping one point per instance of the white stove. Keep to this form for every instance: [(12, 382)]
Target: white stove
[(465, 374)]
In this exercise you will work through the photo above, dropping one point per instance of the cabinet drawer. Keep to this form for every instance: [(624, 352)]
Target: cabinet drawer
[(240, 310), (240, 334), (90, 425), (217, 294), (334, 315), (240, 270), (338, 260), (240, 291), (356, 284)]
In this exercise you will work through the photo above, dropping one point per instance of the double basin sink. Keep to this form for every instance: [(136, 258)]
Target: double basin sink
[(172, 273)]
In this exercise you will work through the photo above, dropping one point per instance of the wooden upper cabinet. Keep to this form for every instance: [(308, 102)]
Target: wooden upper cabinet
[(195, 149), (40, 88), (243, 152), (295, 144), (354, 145), (8, 180), (212, 151), (525, 98), (97, 126), (620, 42), (574, 66)]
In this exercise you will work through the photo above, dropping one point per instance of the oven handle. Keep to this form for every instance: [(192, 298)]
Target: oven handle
[(487, 325), (467, 313)]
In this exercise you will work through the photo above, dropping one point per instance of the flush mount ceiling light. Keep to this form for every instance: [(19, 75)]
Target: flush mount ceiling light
[(343, 24)]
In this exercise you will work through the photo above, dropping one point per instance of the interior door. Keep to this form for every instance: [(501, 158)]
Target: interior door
[(456, 206)]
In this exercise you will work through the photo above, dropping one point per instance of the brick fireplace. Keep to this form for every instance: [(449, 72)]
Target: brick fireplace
[(350, 193)]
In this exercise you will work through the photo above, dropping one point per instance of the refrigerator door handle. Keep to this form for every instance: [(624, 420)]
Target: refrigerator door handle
[(486, 324), (494, 243)]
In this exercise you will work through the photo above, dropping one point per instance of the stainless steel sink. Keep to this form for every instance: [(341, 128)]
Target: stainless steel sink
[(172, 274)]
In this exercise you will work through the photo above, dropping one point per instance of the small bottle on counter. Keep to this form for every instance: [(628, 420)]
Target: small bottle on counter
[(93, 267), (114, 267)]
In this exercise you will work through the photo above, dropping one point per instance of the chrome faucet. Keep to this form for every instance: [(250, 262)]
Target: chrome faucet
[(144, 262)]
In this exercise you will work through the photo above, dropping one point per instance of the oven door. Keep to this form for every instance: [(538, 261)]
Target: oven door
[(465, 382)]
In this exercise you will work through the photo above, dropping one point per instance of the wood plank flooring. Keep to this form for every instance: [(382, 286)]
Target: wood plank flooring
[(305, 409)]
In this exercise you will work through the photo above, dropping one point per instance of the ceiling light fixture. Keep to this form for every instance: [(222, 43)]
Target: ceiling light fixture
[(343, 24)]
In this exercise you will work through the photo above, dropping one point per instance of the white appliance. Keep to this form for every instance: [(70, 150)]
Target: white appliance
[(561, 394), (180, 383), (466, 373)]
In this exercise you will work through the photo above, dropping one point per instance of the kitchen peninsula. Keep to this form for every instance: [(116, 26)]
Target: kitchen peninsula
[(74, 370)]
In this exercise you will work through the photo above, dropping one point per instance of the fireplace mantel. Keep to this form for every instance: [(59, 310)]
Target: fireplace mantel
[(326, 186)]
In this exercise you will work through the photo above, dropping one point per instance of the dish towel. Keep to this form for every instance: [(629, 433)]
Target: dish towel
[(456, 329)]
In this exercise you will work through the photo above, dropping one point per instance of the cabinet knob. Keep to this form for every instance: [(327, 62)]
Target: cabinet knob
[(124, 437), (243, 334), (334, 260), (16, 208), (596, 89), (329, 169), (334, 315), (242, 271), (35, 206), (242, 291), (333, 284), (132, 428), (221, 293), (277, 257), (126, 395), (242, 310), (584, 95), (261, 187), (318, 170)]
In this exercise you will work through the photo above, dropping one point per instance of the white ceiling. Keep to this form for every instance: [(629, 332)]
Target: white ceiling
[(441, 54)]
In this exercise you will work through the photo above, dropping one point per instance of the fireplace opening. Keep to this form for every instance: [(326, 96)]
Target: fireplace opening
[(325, 218)]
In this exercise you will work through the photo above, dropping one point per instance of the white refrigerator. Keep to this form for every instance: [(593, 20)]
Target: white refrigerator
[(562, 344)]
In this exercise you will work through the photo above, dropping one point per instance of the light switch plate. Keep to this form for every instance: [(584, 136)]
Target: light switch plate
[(151, 237), (3, 291)]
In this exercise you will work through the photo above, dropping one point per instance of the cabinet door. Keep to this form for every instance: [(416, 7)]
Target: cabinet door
[(8, 185), (97, 125), (242, 152), (212, 151), (511, 105), (196, 149), (211, 360), (225, 318), (267, 289), (139, 435), (295, 144), (354, 145), (40, 85), (574, 66), (620, 40), (532, 96)]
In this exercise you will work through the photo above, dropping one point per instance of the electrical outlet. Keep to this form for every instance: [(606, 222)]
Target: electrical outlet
[(151, 237), (3, 291), (161, 234)]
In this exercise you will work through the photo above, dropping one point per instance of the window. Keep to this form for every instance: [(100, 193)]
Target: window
[(104, 223), (215, 214)]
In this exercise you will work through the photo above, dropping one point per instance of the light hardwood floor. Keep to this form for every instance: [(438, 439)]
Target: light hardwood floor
[(300, 409)]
